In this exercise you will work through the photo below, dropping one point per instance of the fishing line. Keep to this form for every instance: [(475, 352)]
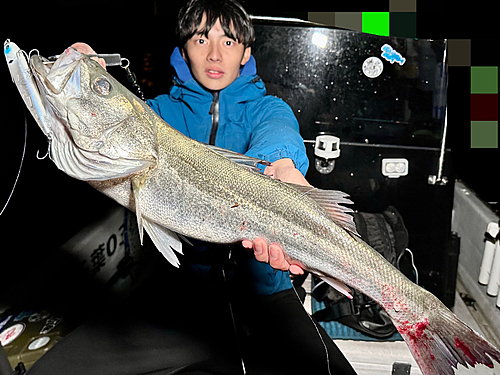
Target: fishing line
[(317, 331), (21, 165), (412, 263), (233, 319), (234, 325)]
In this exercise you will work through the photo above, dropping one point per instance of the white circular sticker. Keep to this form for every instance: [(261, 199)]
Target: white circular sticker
[(372, 67), (11, 333), (39, 343)]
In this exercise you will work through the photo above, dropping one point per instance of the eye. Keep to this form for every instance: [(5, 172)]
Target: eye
[(101, 86)]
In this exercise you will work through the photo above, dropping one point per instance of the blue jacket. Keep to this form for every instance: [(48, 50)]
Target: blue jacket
[(242, 118)]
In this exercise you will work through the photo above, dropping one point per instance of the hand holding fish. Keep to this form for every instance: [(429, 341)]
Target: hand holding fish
[(283, 170), (272, 254), (87, 50)]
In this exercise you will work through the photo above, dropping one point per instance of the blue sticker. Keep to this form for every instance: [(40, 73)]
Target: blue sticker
[(391, 55)]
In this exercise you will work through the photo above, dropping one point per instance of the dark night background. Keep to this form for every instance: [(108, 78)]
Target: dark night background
[(48, 206)]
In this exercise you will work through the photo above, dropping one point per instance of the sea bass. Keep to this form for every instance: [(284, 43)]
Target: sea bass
[(101, 133)]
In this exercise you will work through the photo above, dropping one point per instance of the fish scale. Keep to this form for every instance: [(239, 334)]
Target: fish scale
[(119, 145)]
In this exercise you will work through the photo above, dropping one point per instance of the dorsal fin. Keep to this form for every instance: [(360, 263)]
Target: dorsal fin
[(331, 201)]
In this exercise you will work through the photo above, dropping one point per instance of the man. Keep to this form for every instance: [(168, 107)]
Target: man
[(217, 98)]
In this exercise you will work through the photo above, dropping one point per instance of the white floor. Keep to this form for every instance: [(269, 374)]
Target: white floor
[(376, 358)]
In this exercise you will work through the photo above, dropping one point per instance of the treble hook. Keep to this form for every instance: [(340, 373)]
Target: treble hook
[(47, 153), (33, 50)]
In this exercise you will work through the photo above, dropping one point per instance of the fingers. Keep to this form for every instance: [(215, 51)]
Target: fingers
[(84, 48), (247, 244), (277, 258), (87, 50), (272, 254), (284, 170), (260, 250), (296, 270), (278, 261)]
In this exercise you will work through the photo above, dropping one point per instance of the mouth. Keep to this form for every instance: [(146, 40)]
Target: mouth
[(214, 73), (54, 76)]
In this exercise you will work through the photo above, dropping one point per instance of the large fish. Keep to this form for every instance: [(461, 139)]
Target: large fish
[(101, 133)]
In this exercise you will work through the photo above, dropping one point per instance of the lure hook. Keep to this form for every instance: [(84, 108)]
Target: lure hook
[(44, 156), (33, 50)]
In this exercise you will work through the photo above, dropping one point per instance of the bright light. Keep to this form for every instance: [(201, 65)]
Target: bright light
[(394, 168), (319, 39)]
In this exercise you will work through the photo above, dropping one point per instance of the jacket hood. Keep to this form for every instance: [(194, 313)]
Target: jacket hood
[(248, 86), (184, 73)]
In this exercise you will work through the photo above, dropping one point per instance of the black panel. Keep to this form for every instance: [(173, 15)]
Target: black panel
[(330, 93)]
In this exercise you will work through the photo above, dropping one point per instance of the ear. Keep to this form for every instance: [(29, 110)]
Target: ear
[(246, 55), (184, 54)]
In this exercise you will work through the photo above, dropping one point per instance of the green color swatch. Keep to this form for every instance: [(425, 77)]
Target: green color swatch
[(484, 134), (376, 23), (484, 79)]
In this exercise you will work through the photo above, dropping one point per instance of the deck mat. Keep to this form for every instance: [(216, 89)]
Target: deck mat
[(340, 331)]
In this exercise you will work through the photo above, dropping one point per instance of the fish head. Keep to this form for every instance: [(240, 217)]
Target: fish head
[(101, 130)]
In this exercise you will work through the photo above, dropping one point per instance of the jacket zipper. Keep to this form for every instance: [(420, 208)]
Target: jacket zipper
[(214, 111)]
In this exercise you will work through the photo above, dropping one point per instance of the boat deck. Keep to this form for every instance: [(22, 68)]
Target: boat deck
[(377, 357)]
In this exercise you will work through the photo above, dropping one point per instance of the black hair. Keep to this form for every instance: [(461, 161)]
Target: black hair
[(230, 13)]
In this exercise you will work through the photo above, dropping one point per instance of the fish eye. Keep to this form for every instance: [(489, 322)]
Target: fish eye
[(102, 86)]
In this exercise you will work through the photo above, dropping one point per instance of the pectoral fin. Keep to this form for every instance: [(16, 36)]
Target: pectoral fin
[(136, 187), (87, 165), (165, 241)]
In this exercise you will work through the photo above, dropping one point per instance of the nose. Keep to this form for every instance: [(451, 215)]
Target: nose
[(215, 54)]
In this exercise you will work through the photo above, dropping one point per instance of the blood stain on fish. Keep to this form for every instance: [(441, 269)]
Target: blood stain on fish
[(416, 330), (465, 349)]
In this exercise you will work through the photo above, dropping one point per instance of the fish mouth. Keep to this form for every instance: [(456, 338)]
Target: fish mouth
[(53, 77)]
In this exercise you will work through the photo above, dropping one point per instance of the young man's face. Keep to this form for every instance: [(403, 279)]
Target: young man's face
[(215, 61)]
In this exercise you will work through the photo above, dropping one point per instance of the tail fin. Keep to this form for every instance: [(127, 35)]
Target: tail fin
[(441, 342)]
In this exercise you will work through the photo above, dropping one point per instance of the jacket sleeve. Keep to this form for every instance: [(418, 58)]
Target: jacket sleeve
[(275, 133)]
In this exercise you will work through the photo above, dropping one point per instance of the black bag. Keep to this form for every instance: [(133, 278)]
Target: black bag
[(387, 234)]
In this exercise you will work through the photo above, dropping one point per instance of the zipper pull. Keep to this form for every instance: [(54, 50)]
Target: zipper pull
[(215, 101)]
